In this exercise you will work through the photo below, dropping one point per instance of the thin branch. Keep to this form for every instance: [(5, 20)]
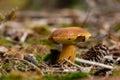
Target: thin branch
[(83, 69), (93, 63), (23, 38), (73, 64)]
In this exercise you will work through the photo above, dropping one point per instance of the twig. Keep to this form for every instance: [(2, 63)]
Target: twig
[(23, 38), (93, 63), (44, 65), (83, 69), (73, 64)]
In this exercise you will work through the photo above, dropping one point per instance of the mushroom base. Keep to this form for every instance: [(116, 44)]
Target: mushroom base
[(68, 52)]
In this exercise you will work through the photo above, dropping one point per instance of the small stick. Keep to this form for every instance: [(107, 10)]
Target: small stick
[(73, 64), (83, 69), (23, 38), (93, 63), (44, 65)]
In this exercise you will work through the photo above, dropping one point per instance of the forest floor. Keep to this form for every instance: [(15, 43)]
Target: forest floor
[(25, 51)]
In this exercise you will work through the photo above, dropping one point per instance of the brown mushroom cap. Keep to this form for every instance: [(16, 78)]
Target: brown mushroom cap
[(69, 35)]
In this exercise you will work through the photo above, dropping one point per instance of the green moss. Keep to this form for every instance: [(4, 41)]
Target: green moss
[(7, 66), (5, 42), (76, 62), (46, 57), (44, 30), (11, 77), (70, 76), (39, 58), (16, 75)]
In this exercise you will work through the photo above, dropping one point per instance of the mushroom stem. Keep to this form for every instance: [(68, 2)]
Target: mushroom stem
[(68, 52)]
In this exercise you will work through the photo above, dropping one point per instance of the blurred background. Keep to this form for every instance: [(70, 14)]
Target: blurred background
[(106, 5), (42, 4), (100, 16)]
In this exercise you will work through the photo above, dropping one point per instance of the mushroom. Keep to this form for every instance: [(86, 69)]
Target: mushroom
[(68, 37)]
